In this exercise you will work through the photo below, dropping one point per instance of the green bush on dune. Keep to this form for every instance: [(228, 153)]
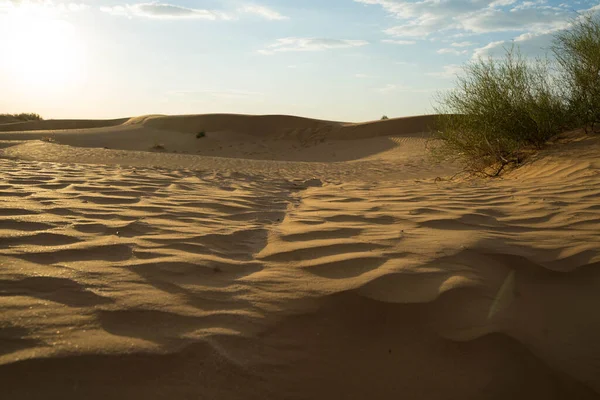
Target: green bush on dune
[(577, 51), (501, 108), (498, 108), (23, 117)]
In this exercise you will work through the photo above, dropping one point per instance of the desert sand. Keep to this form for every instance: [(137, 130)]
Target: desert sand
[(282, 257)]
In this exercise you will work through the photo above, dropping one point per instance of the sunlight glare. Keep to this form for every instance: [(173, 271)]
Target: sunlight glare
[(42, 53)]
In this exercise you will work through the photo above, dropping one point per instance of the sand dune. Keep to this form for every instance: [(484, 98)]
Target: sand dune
[(270, 137), (59, 124), (133, 274)]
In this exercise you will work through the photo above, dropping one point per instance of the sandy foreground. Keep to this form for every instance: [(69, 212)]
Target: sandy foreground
[(288, 258)]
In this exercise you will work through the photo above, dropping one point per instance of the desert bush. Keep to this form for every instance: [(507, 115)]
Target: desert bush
[(200, 134), (384, 117), (577, 51), (23, 116), (497, 110)]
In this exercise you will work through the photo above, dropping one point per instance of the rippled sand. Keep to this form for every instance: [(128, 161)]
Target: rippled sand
[(130, 274)]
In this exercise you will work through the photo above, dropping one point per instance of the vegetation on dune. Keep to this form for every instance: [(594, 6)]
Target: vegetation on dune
[(22, 117), (577, 51), (384, 117), (502, 108), (200, 134), (499, 108)]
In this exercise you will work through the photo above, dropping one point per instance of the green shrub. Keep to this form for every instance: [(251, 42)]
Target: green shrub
[(200, 134), (384, 117), (498, 109), (577, 51), (23, 116)]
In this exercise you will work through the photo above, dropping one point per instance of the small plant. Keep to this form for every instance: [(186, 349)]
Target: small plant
[(48, 139), (499, 109), (384, 117), (200, 134), (23, 116), (577, 51), (158, 146)]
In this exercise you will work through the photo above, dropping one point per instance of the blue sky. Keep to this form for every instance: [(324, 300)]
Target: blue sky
[(350, 60)]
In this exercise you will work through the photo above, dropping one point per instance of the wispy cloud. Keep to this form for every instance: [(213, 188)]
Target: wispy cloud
[(41, 5), (262, 11), (452, 51), (462, 44), (390, 87), (531, 44), (399, 41), (531, 21), (310, 44), (158, 10), (164, 11), (427, 17), (448, 71)]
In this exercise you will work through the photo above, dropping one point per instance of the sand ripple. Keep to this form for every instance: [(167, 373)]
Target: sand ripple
[(133, 282)]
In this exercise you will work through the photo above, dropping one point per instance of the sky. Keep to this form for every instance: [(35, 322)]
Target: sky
[(345, 60)]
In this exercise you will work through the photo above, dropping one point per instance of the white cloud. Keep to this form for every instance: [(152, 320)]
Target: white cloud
[(399, 41), (462, 44), (452, 51), (310, 44), (390, 88), (160, 10), (164, 11), (500, 3), (42, 6), (263, 12), (530, 44), (116, 10), (488, 49), (448, 71), (423, 18), (530, 19), (76, 6), (362, 76)]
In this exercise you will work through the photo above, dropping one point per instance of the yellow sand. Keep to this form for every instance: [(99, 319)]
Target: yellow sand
[(287, 258)]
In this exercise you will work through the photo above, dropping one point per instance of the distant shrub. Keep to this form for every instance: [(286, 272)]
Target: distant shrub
[(384, 117), (200, 134), (23, 116), (577, 51), (158, 146), (498, 109)]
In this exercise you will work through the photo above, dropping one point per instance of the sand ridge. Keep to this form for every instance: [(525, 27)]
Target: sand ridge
[(270, 137), (246, 278)]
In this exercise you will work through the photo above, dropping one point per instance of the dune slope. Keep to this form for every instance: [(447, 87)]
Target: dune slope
[(262, 137), (127, 274)]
